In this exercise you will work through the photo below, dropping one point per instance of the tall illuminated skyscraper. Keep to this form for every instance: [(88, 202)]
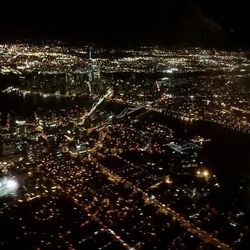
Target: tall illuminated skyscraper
[(90, 66), (90, 53)]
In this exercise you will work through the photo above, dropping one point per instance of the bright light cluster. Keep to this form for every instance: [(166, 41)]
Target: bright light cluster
[(7, 186)]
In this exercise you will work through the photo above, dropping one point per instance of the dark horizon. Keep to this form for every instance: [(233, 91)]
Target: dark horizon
[(170, 23)]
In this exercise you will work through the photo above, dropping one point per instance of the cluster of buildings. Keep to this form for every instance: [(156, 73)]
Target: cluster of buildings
[(107, 172), (195, 84)]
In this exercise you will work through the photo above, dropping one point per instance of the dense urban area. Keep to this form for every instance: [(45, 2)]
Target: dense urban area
[(89, 161)]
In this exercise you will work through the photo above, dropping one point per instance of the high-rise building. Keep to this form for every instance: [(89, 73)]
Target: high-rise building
[(90, 53), (90, 67)]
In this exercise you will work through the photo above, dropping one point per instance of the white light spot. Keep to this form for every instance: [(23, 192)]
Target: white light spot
[(7, 186)]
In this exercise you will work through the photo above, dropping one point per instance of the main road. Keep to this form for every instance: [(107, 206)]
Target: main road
[(186, 224)]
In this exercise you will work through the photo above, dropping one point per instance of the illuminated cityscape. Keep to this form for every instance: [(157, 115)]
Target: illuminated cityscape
[(142, 148)]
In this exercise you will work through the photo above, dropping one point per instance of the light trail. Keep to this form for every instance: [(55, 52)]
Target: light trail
[(129, 111), (245, 111), (90, 88), (158, 86), (108, 94), (122, 113)]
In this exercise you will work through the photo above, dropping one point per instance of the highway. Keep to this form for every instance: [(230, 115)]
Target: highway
[(186, 224)]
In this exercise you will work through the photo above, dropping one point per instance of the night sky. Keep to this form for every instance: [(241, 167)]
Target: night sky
[(170, 22)]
